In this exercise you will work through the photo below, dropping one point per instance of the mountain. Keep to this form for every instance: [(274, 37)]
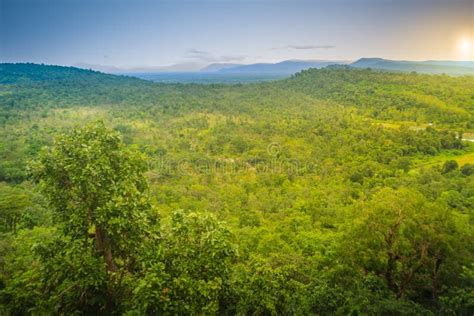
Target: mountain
[(289, 67), (97, 67), (468, 64), (285, 67), (183, 67), (218, 66), (428, 67), (49, 74)]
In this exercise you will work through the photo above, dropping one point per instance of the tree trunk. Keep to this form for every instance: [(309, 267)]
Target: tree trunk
[(103, 246), (434, 287)]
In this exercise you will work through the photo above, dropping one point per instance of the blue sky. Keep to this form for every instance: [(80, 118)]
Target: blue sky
[(145, 33)]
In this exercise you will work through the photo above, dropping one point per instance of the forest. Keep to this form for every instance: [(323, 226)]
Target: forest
[(337, 191)]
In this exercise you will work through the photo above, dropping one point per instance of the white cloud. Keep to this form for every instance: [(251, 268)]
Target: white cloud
[(208, 57), (305, 47)]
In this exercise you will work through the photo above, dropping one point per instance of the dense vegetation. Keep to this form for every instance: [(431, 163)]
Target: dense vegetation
[(336, 191)]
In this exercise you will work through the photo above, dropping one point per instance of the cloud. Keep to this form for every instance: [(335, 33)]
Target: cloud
[(208, 57), (305, 47), (311, 46), (196, 53)]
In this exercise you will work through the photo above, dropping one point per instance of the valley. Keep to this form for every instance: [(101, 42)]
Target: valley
[(333, 190)]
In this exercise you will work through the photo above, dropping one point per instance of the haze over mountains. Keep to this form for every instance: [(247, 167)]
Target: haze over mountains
[(215, 67), (285, 67), (289, 67), (294, 66), (428, 67)]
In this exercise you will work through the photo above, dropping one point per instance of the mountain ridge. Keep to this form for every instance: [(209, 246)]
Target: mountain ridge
[(283, 67), (214, 67), (31, 72), (427, 67)]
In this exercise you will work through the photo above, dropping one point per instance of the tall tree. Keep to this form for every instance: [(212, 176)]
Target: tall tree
[(416, 247), (98, 192), (13, 202)]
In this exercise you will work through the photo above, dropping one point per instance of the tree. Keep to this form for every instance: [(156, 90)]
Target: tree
[(193, 276), (449, 166), (98, 193), (467, 169), (13, 202), (415, 247)]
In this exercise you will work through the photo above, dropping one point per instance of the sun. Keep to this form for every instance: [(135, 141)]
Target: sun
[(466, 47)]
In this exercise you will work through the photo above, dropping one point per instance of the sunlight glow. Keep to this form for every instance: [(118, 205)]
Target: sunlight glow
[(465, 47)]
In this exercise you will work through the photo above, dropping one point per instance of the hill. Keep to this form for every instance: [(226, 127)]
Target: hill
[(336, 191), (218, 66), (27, 72), (428, 67), (391, 95), (55, 86), (381, 95), (284, 67)]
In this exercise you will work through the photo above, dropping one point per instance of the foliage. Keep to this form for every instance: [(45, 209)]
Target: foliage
[(13, 204), (336, 191), (196, 263)]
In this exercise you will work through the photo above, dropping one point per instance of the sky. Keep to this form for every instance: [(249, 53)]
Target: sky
[(136, 34)]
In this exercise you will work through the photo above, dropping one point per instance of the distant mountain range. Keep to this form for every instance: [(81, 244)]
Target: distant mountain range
[(289, 67), (294, 66), (428, 67), (285, 67), (218, 67)]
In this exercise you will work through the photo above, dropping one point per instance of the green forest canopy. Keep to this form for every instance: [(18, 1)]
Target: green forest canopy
[(336, 191)]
